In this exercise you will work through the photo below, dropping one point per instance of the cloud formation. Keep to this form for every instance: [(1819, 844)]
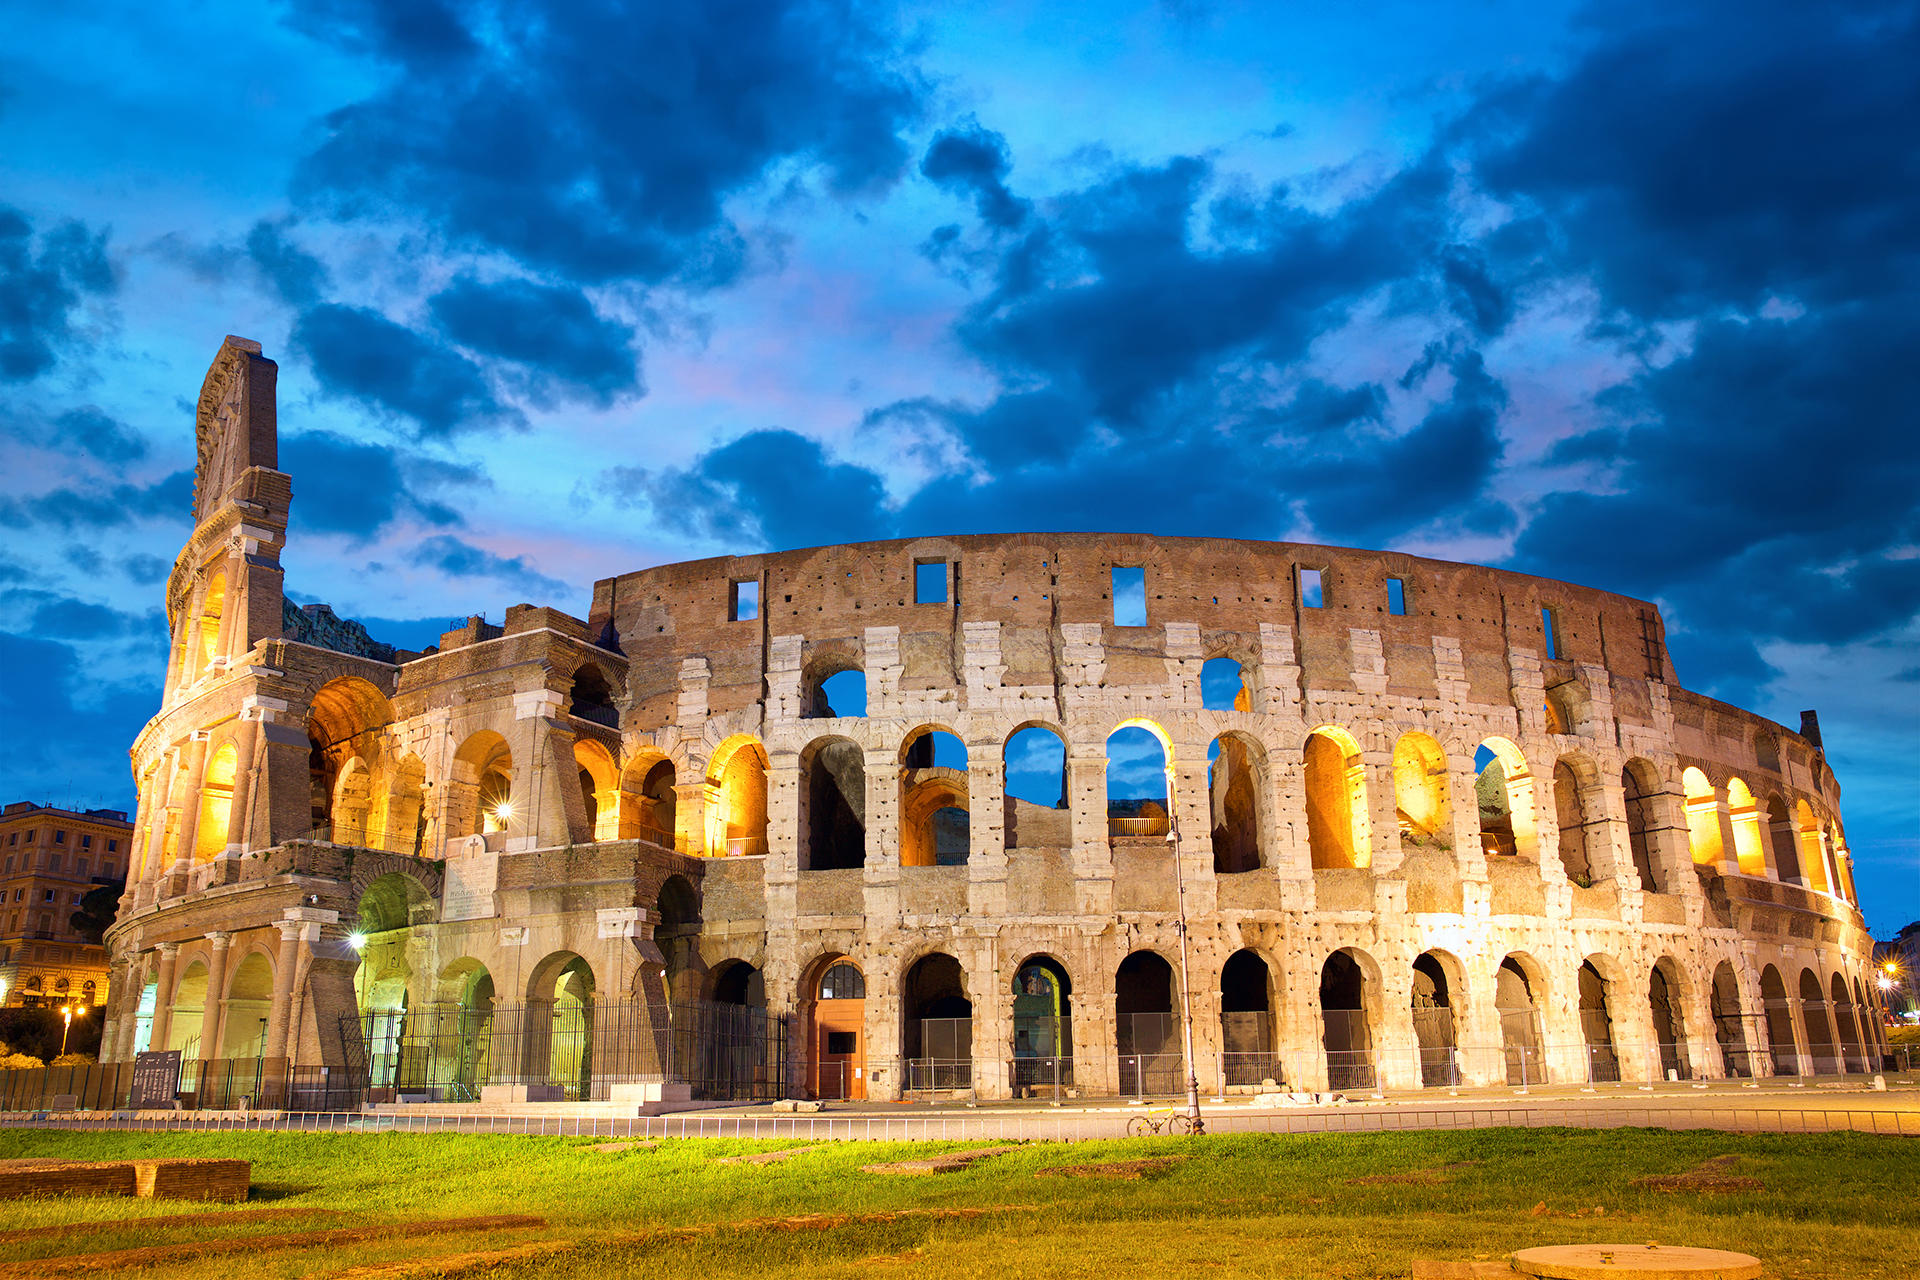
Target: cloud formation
[(44, 277), (393, 370), (596, 140)]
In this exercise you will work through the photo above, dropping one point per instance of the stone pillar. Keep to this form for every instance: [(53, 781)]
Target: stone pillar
[(246, 743), (196, 774), (280, 1013), (881, 892), (1396, 1051), (1092, 853), (214, 1018), (1728, 862), (163, 997), (692, 802), (987, 831)]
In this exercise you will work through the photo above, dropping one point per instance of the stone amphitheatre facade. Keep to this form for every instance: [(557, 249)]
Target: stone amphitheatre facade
[(1428, 823)]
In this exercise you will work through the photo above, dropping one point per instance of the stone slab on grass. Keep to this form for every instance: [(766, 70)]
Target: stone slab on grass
[(1708, 1176), (1117, 1170), (1429, 1269), (166, 1179), (952, 1162), (769, 1157)]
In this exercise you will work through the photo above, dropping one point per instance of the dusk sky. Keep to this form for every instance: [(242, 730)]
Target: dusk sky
[(1627, 295)]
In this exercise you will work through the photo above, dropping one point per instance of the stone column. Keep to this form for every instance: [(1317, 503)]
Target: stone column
[(692, 801), (1092, 853), (280, 1013), (986, 831), (246, 744), (163, 997), (213, 1019), (881, 881), (196, 774)]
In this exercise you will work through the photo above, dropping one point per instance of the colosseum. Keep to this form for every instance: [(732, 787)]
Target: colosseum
[(977, 815)]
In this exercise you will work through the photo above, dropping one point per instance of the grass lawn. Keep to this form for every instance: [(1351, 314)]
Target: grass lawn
[(1832, 1205)]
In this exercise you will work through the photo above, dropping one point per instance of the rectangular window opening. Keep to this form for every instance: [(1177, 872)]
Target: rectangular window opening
[(745, 606), (1129, 597), (930, 582), (1550, 630), (840, 1042), (1311, 596), (1397, 596)]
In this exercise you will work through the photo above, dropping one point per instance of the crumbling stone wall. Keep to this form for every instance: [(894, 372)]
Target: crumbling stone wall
[(1355, 818)]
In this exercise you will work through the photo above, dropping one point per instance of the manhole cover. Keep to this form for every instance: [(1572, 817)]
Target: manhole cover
[(1635, 1262)]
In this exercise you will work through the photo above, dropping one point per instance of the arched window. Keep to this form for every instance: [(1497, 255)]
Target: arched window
[(1223, 686), (1234, 800), (216, 804), (1703, 819), (1420, 792), (1504, 795), (1743, 812), (842, 694), (933, 800), (843, 982), (1572, 818), (1036, 810), (1336, 788), (833, 791), (1640, 797), (1136, 783)]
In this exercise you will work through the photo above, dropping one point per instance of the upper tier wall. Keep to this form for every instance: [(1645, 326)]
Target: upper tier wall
[(1031, 584)]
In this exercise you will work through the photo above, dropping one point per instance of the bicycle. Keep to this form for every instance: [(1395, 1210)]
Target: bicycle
[(1168, 1120)]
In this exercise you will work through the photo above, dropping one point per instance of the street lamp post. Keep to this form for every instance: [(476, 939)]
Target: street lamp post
[(1194, 1122), (68, 1029)]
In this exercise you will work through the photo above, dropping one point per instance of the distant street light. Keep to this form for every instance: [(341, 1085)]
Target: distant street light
[(68, 1029)]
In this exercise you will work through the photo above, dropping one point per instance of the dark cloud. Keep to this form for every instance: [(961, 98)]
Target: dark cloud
[(146, 570), (68, 508), (343, 486), (596, 140), (770, 488), (554, 332), (88, 430), (41, 287), (1475, 296), (61, 740), (1706, 154), (1765, 477), (975, 161), (362, 355), (296, 275), (460, 559)]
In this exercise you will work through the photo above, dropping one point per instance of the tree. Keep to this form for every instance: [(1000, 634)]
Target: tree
[(96, 912)]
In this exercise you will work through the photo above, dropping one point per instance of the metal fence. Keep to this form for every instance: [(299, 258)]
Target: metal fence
[(1045, 1124), (449, 1053)]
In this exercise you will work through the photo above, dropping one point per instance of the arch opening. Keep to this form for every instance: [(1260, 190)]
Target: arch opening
[(1042, 1028), (216, 804), (1846, 1018), (1233, 791), (1743, 814), (1729, 1024), (1144, 1033), (1137, 802), (1520, 1040), (844, 693), (1223, 686), (834, 788), (1036, 798), (243, 1033), (1434, 1023), (1246, 1020), (938, 1030), (1596, 1027), (737, 826), (1345, 1034), (1336, 793), (1669, 1023), (1703, 818), (1420, 802), (1781, 1045), (591, 697), (1572, 819), (1786, 858), (934, 804), (1503, 796), (189, 1013), (1640, 795)]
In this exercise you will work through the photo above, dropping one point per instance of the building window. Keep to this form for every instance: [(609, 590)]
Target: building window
[(54, 862), (59, 837), (1397, 596), (113, 846), (86, 841), (13, 839), (1129, 597), (1550, 630), (9, 862), (80, 866), (930, 582), (1311, 595), (46, 895), (106, 869), (18, 894), (76, 900), (30, 836), (745, 603)]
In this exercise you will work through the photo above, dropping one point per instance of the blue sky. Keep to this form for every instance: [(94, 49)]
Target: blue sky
[(1624, 294)]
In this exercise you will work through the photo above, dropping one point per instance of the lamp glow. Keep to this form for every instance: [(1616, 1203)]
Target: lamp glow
[(356, 940)]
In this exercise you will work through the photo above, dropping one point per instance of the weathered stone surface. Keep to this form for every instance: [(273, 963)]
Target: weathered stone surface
[(1412, 848), (1635, 1262)]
